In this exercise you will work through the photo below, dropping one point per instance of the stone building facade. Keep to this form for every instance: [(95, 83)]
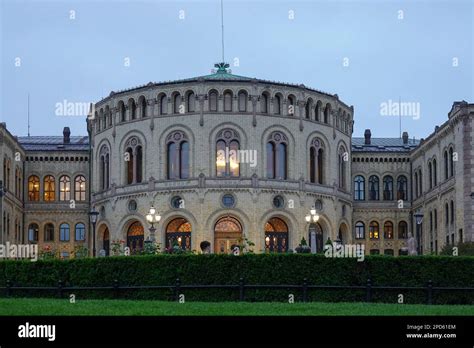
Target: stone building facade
[(173, 146)]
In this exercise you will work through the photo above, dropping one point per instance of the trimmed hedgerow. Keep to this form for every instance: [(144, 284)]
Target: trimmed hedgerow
[(288, 269)]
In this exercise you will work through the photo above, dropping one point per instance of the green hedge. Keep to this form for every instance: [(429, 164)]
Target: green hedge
[(255, 269)]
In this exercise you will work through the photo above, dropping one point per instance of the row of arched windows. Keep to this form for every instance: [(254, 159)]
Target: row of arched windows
[(179, 104), (374, 231), (374, 188), (49, 188), (227, 158), (64, 232)]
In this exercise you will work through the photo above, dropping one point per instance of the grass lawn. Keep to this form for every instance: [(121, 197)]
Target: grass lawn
[(127, 307)]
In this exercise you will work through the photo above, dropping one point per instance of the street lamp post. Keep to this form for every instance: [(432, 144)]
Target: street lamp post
[(93, 215), (418, 219), (153, 218), (312, 217)]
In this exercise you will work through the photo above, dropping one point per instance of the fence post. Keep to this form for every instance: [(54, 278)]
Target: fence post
[(430, 291), (116, 288), (369, 290), (60, 289), (177, 289), (9, 287), (241, 289), (305, 290)]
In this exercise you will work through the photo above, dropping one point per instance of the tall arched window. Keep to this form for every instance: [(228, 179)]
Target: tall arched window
[(452, 212), (142, 103), (80, 188), (307, 109), (191, 102), (374, 230), (49, 233), (277, 105), (416, 184), (178, 155), (277, 156), (264, 103), (359, 230), (227, 101), (359, 188), (33, 232), (316, 160), (327, 113), (446, 214), (291, 104), (387, 188), (80, 232), (163, 104), (49, 188), (64, 233), (420, 179), (134, 163), (430, 174), (342, 158), (213, 100), (388, 230), (132, 108), (243, 101), (451, 162), (435, 172), (445, 165), (317, 111), (64, 188), (33, 188), (374, 188), (402, 192), (110, 115), (402, 230), (227, 147), (103, 118), (122, 111), (176, 103), (104, 167)]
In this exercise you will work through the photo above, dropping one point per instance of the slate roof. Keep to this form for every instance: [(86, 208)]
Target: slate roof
[(54, 143), (383, 145)]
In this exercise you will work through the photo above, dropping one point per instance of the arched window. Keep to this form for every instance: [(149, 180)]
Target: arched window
[(307, 109), (191, 102), (446, 214), (402, 192), (316, 160), (97, 120), (104, 168), (416, 184), (80, 232), (110, 116), (64, 188), (387, 188), (445, 165), (374, 230), (178, 155), (291, 105), (121, 109), (163, 104), (80, 188), (277, 105), (276, 236), (451, 162), (327, 113), (317, 111), (132, 108), (402, 230), (176, 103), (49, 188), (33, 232), (359, 188), (264, 103), (430, 175), (420, 179), (277, 156), (64, 233), (228, 101), (142, 103), (49, 233), (243, 101), (227, 152), (359, 230), (135, 237), (178, 233), (342, 157), (134, 161), (452, 212), (388, 230), (33, 188), (374, 188), (435, 172), (213, 101)]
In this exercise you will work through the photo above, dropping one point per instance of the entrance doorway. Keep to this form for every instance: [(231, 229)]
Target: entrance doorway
[(316, 235), (135, 237), (227, 234)]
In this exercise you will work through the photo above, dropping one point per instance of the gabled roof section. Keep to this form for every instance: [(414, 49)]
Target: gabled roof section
[(54, 143), (384, 145)]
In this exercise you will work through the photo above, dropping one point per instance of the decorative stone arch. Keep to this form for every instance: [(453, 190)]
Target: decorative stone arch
[(264, 103), (173, 214), (344, 232), (318, 141), (190, 98), (291, 148), (309, 109), (291, 222), (278, 109)]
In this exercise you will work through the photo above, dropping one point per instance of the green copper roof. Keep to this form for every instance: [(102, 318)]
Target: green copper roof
[(223, 74)]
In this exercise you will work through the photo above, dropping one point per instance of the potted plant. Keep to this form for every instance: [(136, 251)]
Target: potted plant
[(303, 247)]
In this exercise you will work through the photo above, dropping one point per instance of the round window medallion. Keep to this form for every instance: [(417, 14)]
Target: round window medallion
[(228, 200), (177, 202), (132, 205), (278, 202)]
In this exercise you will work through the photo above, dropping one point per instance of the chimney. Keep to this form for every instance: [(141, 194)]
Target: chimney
[(367, 135), (66, 135), (405, 137)]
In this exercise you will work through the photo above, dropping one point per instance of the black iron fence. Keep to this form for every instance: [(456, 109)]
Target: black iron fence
[(241, 287)]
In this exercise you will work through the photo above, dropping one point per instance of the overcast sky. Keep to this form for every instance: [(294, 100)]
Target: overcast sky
[(419, 51)]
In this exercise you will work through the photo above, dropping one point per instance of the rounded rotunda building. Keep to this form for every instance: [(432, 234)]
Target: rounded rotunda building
[(222, 158)]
